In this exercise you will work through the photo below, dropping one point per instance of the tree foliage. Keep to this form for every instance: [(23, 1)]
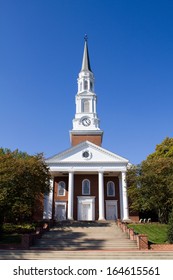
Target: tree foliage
[(170, 228), (151, 183), (23, 178)]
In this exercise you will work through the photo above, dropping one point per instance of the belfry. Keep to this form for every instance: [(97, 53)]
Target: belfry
[(88, 182)]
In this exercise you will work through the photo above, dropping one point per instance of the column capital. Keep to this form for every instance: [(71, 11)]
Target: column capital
[(101, 171)]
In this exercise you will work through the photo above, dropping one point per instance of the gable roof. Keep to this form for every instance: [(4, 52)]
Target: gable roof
[(96, 154)]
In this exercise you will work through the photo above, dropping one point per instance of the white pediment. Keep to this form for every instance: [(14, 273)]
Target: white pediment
[(86, 153)]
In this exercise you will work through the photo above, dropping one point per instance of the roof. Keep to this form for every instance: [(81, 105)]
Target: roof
[(87, 156), (86, 62)]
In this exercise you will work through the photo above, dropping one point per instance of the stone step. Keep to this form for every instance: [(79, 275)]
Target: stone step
[(85, 236), (79, 255)]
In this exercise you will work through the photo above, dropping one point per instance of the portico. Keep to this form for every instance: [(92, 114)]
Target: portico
[(88, 182)]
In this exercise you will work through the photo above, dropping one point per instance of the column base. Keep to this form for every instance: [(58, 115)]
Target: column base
[(101, 219)]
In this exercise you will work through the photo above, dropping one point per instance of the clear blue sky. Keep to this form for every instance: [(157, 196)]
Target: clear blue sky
[(131, 54)]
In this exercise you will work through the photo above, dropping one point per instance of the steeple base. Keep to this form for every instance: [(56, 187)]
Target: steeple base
[(77, 137)]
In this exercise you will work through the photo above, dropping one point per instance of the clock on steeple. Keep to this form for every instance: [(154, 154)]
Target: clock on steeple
[(86, 125)]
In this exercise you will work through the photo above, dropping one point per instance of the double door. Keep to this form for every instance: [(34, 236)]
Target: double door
[(86, 208)]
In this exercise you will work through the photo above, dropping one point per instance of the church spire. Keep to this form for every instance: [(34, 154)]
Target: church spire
[(86, 62), (86, 124)]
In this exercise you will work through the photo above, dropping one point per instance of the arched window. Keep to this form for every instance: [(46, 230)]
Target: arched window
[(86, 187), (85, 85), (61, 188), (91, 86), (86, 106), (110, 188), (80, 86)]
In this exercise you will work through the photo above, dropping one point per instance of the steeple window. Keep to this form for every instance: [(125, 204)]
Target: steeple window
[(85, 84), (85, 106), (91, 86), (80, 86)]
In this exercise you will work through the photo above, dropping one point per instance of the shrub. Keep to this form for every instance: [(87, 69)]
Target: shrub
[(24, 228)]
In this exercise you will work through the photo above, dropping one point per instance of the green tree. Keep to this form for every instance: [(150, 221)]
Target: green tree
[(163, 150), (23, 178), (170, 228), (151, 184)]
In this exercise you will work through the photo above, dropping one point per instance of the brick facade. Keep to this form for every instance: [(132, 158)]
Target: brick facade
[(76, 139), (93, 178)]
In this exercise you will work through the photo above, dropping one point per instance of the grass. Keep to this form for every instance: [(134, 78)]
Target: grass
[(157, 233)]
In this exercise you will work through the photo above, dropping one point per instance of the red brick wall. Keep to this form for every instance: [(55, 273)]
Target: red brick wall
[(161, 247), (96, 139)]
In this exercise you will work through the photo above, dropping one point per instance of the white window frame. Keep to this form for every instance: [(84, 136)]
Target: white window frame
[(83, 187), (64, 187), (111, 195)]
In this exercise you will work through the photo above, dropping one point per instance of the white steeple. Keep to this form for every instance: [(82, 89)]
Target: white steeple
[(86, 122), (86, 115)]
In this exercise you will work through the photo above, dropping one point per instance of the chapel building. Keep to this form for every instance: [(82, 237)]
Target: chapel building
[(88, 182)]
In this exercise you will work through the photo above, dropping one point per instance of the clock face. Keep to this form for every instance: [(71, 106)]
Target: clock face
[(86, 122)]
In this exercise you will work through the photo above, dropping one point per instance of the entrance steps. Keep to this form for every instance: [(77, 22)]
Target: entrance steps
[(83, 255), (76, 236)]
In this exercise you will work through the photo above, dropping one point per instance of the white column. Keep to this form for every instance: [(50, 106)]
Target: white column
[(70, 195), (124, 197), (48, 203), (101, 197), (121, 198)]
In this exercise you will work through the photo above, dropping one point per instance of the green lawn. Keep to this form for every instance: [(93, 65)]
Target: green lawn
[(157, 233)]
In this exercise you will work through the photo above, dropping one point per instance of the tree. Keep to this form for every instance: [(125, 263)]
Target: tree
[(170, 228), (23, 178), (163, 150), (152, 186)]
